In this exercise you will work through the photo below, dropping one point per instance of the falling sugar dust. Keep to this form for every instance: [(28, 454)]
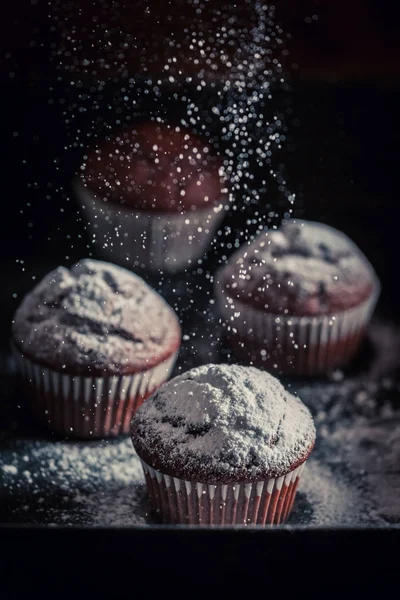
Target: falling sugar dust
[(222, 82), (216, 69), (351, 478)]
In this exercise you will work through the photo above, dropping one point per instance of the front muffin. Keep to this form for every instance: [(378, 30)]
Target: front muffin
[(93, 342), (160, 187), (298, 299), (223, 445)]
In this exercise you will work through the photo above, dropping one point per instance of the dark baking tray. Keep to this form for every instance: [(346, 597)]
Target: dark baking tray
[(357, 411)]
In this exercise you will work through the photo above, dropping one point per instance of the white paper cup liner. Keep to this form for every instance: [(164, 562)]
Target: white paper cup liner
[(149, 240), (89, 407), (295, 345), (266, 502)]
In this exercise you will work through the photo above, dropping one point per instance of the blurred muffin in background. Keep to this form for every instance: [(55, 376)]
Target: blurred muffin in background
[(298, 299), (153, 196)]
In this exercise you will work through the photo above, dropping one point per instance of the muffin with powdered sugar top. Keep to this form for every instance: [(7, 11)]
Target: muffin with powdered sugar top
[(221, 423), (92, 342), (223, 444), (297, 299)]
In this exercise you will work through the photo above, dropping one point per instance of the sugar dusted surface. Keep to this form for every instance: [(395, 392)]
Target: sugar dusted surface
[(302, 268), (95, 318), (351, 478), (223, 423), (77, 483)]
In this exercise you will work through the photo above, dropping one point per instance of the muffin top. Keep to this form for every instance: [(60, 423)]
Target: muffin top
[(95, 319), (302, 268), (222, 424), (154, 167)]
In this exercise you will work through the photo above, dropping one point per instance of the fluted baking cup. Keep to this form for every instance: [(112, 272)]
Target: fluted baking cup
[(150, 240), (266, 502), (89, 407)]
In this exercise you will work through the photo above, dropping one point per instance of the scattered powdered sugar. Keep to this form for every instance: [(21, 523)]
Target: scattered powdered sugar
[(303, 267), (99, 483), (10, 469), (95, 317), (329, 499), (223, 422), (357, 452), (352, 476)]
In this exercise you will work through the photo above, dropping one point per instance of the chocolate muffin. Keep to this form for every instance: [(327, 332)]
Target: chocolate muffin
[(153, 195), (223, 444), (297, 299), (92, 343)]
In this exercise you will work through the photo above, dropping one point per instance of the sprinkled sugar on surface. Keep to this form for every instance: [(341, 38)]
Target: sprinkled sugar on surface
[(95, 316), (352, 476), (75, 483), (223, 422)]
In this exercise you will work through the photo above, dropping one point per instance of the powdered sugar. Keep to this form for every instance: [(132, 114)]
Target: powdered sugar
[(352, 476), (303, 268), (12, 469), (357, 452), (95, 317), (68, 483), (222, 423), (326, 499)]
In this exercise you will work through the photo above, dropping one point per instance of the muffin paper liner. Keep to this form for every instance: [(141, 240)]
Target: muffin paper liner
[(295, 345), (89, 407), (150, 240), (266, 502)]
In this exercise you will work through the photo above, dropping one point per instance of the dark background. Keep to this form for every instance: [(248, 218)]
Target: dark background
[(341, 156), (341, 111)]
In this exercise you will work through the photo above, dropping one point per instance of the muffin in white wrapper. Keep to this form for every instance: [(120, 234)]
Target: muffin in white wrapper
[(153, 195), (91, 344), (223, 445), (297, 300)]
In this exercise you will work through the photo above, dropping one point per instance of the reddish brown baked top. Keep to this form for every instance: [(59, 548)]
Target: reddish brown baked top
[(303, 268), (223, 424), (95, 319), (155, 167)]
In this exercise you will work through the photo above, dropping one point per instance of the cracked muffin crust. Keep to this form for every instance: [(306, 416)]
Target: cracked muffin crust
[(223, 424), (91, 343), (303, 268), (95, 319)]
